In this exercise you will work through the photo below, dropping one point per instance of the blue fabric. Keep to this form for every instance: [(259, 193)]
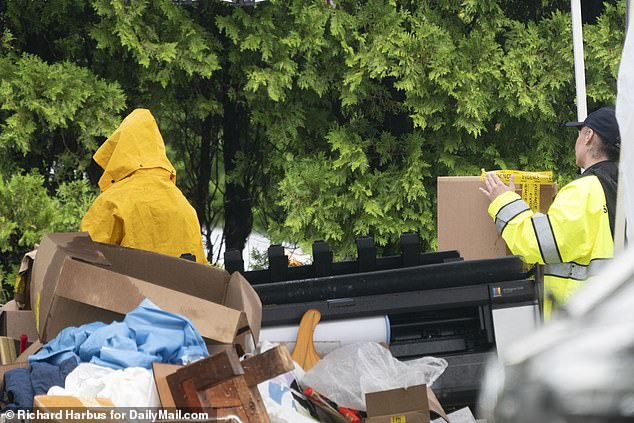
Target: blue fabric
[(164, 334), (66, 344), (45, 375), (23, 384), (17, 384), (115, 335), (147, 334), (117, 359)]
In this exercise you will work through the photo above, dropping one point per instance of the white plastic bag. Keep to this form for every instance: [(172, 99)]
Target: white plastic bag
[(131, 387), (348, 373), (463, 415)]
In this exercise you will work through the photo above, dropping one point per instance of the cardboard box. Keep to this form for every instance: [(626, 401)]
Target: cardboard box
[(65, 408), (23, 284), (77, 281), (403, 405), (464, 223), (9, 350), (14, 322), (160, 371)]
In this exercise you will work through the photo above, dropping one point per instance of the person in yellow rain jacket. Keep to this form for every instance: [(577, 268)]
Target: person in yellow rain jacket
[(140, 205), (577, 234)]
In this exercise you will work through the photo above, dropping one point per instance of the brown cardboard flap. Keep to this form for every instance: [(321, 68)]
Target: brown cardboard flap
[(74, 314), (49, 402), (199, 280), (161, 371), (242, 296), (214, 348), (434, 405), (52, 252), (67, 409), (27, 261), (104, 289), (79, 246), (397, 401)]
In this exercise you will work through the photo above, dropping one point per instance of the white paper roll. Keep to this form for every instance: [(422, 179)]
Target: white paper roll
[(332, 334)]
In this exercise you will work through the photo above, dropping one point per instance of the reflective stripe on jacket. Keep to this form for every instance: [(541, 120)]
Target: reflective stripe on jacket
[(572, 240)]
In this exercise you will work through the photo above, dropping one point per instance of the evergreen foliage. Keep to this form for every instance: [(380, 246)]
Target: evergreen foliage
[(302, 120)]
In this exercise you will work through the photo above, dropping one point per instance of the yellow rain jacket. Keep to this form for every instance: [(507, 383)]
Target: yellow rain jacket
[(573, 239), (140, 205)]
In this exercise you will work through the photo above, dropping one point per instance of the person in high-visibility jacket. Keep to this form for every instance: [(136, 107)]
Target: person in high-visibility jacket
[(140, 205), (576, 236)]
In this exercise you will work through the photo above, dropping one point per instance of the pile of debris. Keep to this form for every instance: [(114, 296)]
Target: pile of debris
[(127, 334)]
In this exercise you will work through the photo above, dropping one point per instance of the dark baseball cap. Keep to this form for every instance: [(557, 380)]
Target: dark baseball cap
[(603, 121)]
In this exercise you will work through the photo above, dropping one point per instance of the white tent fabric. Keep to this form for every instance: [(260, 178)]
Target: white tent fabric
[(625, 118)]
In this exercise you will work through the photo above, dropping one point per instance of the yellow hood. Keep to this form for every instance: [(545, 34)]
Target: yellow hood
[(136, 144)]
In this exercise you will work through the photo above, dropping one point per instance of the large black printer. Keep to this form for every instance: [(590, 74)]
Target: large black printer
[(438, 304)]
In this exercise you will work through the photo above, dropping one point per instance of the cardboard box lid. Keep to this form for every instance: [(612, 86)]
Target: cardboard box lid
[(101, 288), (63, 255), (397, 401)]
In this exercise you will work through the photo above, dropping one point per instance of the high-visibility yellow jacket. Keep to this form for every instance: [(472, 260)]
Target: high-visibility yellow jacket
[(573, 239), (140, 205)]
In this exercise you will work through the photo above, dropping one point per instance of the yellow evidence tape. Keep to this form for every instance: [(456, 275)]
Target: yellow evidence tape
[(530, 182)]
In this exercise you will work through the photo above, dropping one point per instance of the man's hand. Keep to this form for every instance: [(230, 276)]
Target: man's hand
[(494, 186)]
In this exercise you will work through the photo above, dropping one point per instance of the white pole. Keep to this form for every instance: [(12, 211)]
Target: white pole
[(580, 73), (625, 118), (619, 219)]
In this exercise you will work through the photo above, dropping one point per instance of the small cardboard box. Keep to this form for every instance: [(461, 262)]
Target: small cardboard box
[(66, 408), (403, 405), (77, 281), (464, 223), (14, 322)]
